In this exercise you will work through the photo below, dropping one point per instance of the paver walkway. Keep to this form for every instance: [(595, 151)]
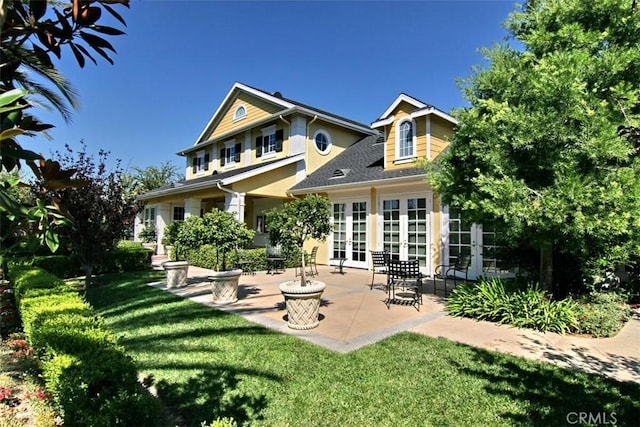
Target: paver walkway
[(352, 315)]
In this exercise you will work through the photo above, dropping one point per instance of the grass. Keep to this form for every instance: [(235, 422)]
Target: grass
[(207, 364)]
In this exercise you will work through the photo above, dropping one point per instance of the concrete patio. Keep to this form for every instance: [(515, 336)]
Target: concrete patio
[(352, 315)]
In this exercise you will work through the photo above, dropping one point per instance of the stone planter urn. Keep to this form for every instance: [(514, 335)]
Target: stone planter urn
[(224, 286), (303, 303), (176, 272), (150, 245)]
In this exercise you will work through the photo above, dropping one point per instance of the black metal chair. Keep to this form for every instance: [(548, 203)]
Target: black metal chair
[(379, 260), (404, 282), (274, 259), (310, 260), (455, 272), (244, 263)]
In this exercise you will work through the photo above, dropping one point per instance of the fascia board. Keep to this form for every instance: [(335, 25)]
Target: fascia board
[(223, 105), (399, 99), (435, 112), (309, 112), (384, 122), (266, 168), (378, 183), (176, 190)]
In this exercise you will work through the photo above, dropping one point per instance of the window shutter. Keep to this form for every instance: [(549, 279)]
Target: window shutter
[(259, 146), (194, 164), (206, 161), (236, 157), (279, 138), (222, 157)]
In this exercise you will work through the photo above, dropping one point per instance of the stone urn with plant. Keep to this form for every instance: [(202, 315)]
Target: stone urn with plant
[(176, 268), (291, 226), (148, 235), (225, 234)]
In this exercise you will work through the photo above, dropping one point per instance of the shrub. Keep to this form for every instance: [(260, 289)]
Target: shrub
[(121, 259), (602, 314), (91, 379), (510, 303)]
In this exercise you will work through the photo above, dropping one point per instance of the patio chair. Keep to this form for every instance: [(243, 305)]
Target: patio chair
[(379, 260), (310, 260), (455, 272), (244, 263), (274, 259), (404, 282)]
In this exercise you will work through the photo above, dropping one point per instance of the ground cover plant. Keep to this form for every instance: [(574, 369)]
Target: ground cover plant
[(206, 364)]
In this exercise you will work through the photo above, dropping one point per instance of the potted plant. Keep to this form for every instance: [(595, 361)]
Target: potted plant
[(176, 268), (291, 226), (225, 233), (148, 236)]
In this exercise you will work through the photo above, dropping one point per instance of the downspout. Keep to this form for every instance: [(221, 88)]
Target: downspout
[(239, 199)]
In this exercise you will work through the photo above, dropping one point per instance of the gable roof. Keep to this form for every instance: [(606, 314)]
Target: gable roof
[(361, 163), (422, 109), (287, 106)]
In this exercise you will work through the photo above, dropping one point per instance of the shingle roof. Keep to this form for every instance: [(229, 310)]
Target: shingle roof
[(361, 162)]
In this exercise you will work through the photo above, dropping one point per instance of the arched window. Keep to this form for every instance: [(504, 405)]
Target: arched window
[(405, 139), (240, 113)]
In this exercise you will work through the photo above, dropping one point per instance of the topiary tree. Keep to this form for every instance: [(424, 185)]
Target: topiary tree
[(217, 228), (298, 221)]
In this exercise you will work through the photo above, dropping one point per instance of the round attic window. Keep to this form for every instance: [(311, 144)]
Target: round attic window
[(322, 142)]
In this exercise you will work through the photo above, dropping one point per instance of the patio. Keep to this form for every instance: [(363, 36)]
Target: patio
[(352, 315)]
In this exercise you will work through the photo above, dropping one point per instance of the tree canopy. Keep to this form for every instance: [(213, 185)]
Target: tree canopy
[(538, 151)]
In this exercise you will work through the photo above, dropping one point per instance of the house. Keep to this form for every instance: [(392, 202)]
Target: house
[(260, 149)]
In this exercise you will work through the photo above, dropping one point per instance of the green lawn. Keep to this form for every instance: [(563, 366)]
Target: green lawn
[(207, 363)]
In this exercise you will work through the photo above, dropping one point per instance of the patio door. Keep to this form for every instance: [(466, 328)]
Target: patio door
[(350, 233), (406, 228), (479, 241)]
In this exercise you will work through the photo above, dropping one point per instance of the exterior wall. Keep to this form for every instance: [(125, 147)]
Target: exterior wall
[(256, 108), (441, 135), (274, 183), (341, 139)]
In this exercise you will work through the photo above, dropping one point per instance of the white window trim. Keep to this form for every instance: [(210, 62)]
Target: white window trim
[(236, 117), (173, 211), (405, 159), (269, 130), (329, 141), (228, 164), (200, 163)]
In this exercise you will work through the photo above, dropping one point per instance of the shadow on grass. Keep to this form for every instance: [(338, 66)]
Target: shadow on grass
[(553, 395), (210, 395)]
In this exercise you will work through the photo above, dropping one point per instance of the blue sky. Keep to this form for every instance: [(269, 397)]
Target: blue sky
[(179, 59)]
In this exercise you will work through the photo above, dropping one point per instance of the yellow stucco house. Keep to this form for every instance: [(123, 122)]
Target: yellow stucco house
[(260, 148)]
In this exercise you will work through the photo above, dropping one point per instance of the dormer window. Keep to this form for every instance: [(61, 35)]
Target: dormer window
[(405, 140), (240, 113), (200, 162)]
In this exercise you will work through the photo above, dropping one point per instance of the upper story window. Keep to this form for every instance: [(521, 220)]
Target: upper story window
[(270, 142), (200, 162), (405, 140), (240, 113), (230, 154), (322, 141)]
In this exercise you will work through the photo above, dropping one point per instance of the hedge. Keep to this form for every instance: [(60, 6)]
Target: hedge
[(91, 379)]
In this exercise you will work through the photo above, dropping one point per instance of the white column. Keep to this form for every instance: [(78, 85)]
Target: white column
[(192, 206), (234, 202), (163, 218), (298, 135), (138, 225)]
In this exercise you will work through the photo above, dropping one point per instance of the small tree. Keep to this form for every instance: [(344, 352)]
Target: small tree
[(217, 228), (152, 177), (100, 210), (298, 221)]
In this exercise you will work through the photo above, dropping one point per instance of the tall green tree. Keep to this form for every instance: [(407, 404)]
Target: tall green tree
[(152, 177), (538, 150)]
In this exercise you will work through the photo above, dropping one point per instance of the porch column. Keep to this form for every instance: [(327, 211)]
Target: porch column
[(163, 218), (234, 202), (192, 207)]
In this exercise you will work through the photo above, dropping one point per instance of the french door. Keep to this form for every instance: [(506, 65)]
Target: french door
[(350, 234), (477, 240), (406, 228)]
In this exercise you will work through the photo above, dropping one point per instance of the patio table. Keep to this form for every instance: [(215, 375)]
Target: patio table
[(339, 265)]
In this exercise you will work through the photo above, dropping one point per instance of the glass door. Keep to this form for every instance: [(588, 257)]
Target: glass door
[(350, 233), (406, 229)]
